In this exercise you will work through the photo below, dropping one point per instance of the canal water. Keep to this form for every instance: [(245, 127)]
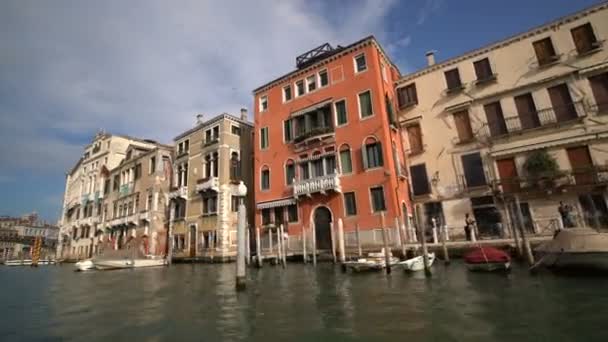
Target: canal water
[(301, 303)]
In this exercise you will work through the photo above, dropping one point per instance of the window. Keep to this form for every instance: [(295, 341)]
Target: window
[(287, 131), (365, 104), (496, 120), (526, 110), (377, 194), (346, 164), (149, 202), (236, 130), (304, 171), (183, 147), (584, 38), (152, 165), (264, 138), (265, 216), (210, 205), (116, 183), (483, 70), (372, 154), (323, 78), (235, 201), (561, 101), (137, 171), (545, 53), (420, 181), (340, 109), (474, 174), (390, 112), (407, 96), (599, 87), (235, 166), (452, 78), (414, 135), (216, 162), (360, 63), (463, 126), (300, 88), (317, 168), (286, 93), (290, 172), (292, 213), (263, 103), (311, 82), (265, 181), (350, 204)]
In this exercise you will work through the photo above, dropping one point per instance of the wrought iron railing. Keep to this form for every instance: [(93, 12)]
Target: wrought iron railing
[(315, 131)]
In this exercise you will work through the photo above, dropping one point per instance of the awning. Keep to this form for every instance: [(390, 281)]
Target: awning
[(277, 203), (457, 107), (547, 144), (311, 108)]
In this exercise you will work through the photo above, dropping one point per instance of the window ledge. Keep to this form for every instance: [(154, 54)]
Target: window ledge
[(416, 153), (361, 118), (455, 90), (208, 214), (374, 168), (554, 60), (408, 106), (485, 81), (592, 51)]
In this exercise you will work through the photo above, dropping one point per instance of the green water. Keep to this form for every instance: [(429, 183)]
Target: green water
[(301, 303)]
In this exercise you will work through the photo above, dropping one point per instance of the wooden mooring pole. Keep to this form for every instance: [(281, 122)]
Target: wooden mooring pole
[(283, 248), (279, 246), (332, 231), (425, 253), (258, 248), (520, 218), (387, 250), (304, 256), (358, 236), (444, 236)]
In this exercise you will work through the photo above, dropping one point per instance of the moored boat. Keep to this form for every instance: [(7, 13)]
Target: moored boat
[(374, 262), (84, 265), (113, 264), (417, 263), (487, 259), (575, 249)]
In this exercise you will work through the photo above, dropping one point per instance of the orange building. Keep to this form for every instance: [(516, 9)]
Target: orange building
[(327, 146)]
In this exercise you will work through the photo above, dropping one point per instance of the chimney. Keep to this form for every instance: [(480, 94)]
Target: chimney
[(199, 119), (430, 57), (244, 114)]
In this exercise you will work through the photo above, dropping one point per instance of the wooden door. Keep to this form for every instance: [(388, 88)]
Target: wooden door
[(496, 120), (474, 174), (526, 110), (508, 175), (580, 161), (599, 87), (463, 126), (562, 103)]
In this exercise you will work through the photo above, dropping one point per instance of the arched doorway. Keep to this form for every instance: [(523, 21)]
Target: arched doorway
[(322, 219)]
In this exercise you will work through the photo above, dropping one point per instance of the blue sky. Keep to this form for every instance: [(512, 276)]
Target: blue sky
[(146, 68)]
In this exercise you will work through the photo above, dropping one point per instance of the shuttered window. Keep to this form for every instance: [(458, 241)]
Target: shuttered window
[(420, 181), (545, 53), (463, 126), (483, 70), (474, 174), (414, 134), (584, 38), (287, 131), (407, 95), (452, 78), (341, 118), (346, 163), (526, 110), (292, 213), (365, 104), (563, 108), (350, 204), (378, 203), (264, 138), (290, 172), (496, 120), (265, 181), (599, 87), (372, 154)]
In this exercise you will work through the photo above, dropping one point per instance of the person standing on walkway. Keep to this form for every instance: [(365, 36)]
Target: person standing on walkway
[(564, 212), (468, 226)]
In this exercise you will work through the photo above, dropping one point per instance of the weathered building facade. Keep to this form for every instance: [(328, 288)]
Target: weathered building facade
[(212, 175), (521, 120)]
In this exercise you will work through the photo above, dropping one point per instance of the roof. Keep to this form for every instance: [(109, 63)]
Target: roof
[(222, 116), (328, 55), (504, 42)]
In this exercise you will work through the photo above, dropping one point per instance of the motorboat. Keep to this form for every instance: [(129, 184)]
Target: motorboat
[(123, 263), (575, 249), (487, 259), (28, 262), (84, 265), (374, 262), (417, 263)]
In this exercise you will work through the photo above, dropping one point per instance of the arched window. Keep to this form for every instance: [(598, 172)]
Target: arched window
[(372, 153), (290, 171), (235, 166), (317, 165), (265, 178), (346, 163)]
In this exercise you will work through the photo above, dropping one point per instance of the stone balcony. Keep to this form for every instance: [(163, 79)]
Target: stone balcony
[(179, 192), (210, 183), (321, 185)]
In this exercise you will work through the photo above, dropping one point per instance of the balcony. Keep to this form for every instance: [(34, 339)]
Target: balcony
[(145, 216), (543, 118), (210, 183), (581, 178), (318, 184), (211, 141), (316, 133), (179, 192), (125, 189)]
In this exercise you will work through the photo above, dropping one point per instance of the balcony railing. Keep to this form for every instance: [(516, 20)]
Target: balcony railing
[(594, 176), (318, 184), (541, 118), (210, 183), (312, 133), (179, 192), (211, 141)]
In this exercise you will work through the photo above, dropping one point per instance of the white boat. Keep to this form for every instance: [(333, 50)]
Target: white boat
[(374, 262), (417, 263), (113, 264), (576, 249), (85, 265), (18, 262)]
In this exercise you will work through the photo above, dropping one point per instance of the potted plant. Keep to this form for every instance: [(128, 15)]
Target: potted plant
[(542, 169)]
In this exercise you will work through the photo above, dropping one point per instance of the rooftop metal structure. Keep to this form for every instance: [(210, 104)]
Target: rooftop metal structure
[(314, 55)]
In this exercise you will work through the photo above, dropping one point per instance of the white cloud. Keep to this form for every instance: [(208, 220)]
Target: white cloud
[(145, 68), (429, 7)]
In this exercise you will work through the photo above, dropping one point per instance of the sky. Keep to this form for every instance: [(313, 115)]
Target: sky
[(146, 67)]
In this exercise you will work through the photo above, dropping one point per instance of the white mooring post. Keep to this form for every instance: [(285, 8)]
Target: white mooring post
[(282, 238), (332, 231), (358, 236), (240, 253), (434, 230), (387, 249), (258, 247), (314, 245), (341, 248)]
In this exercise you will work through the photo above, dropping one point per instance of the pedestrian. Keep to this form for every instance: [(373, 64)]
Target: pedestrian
[(468, 226), (564, 213)]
